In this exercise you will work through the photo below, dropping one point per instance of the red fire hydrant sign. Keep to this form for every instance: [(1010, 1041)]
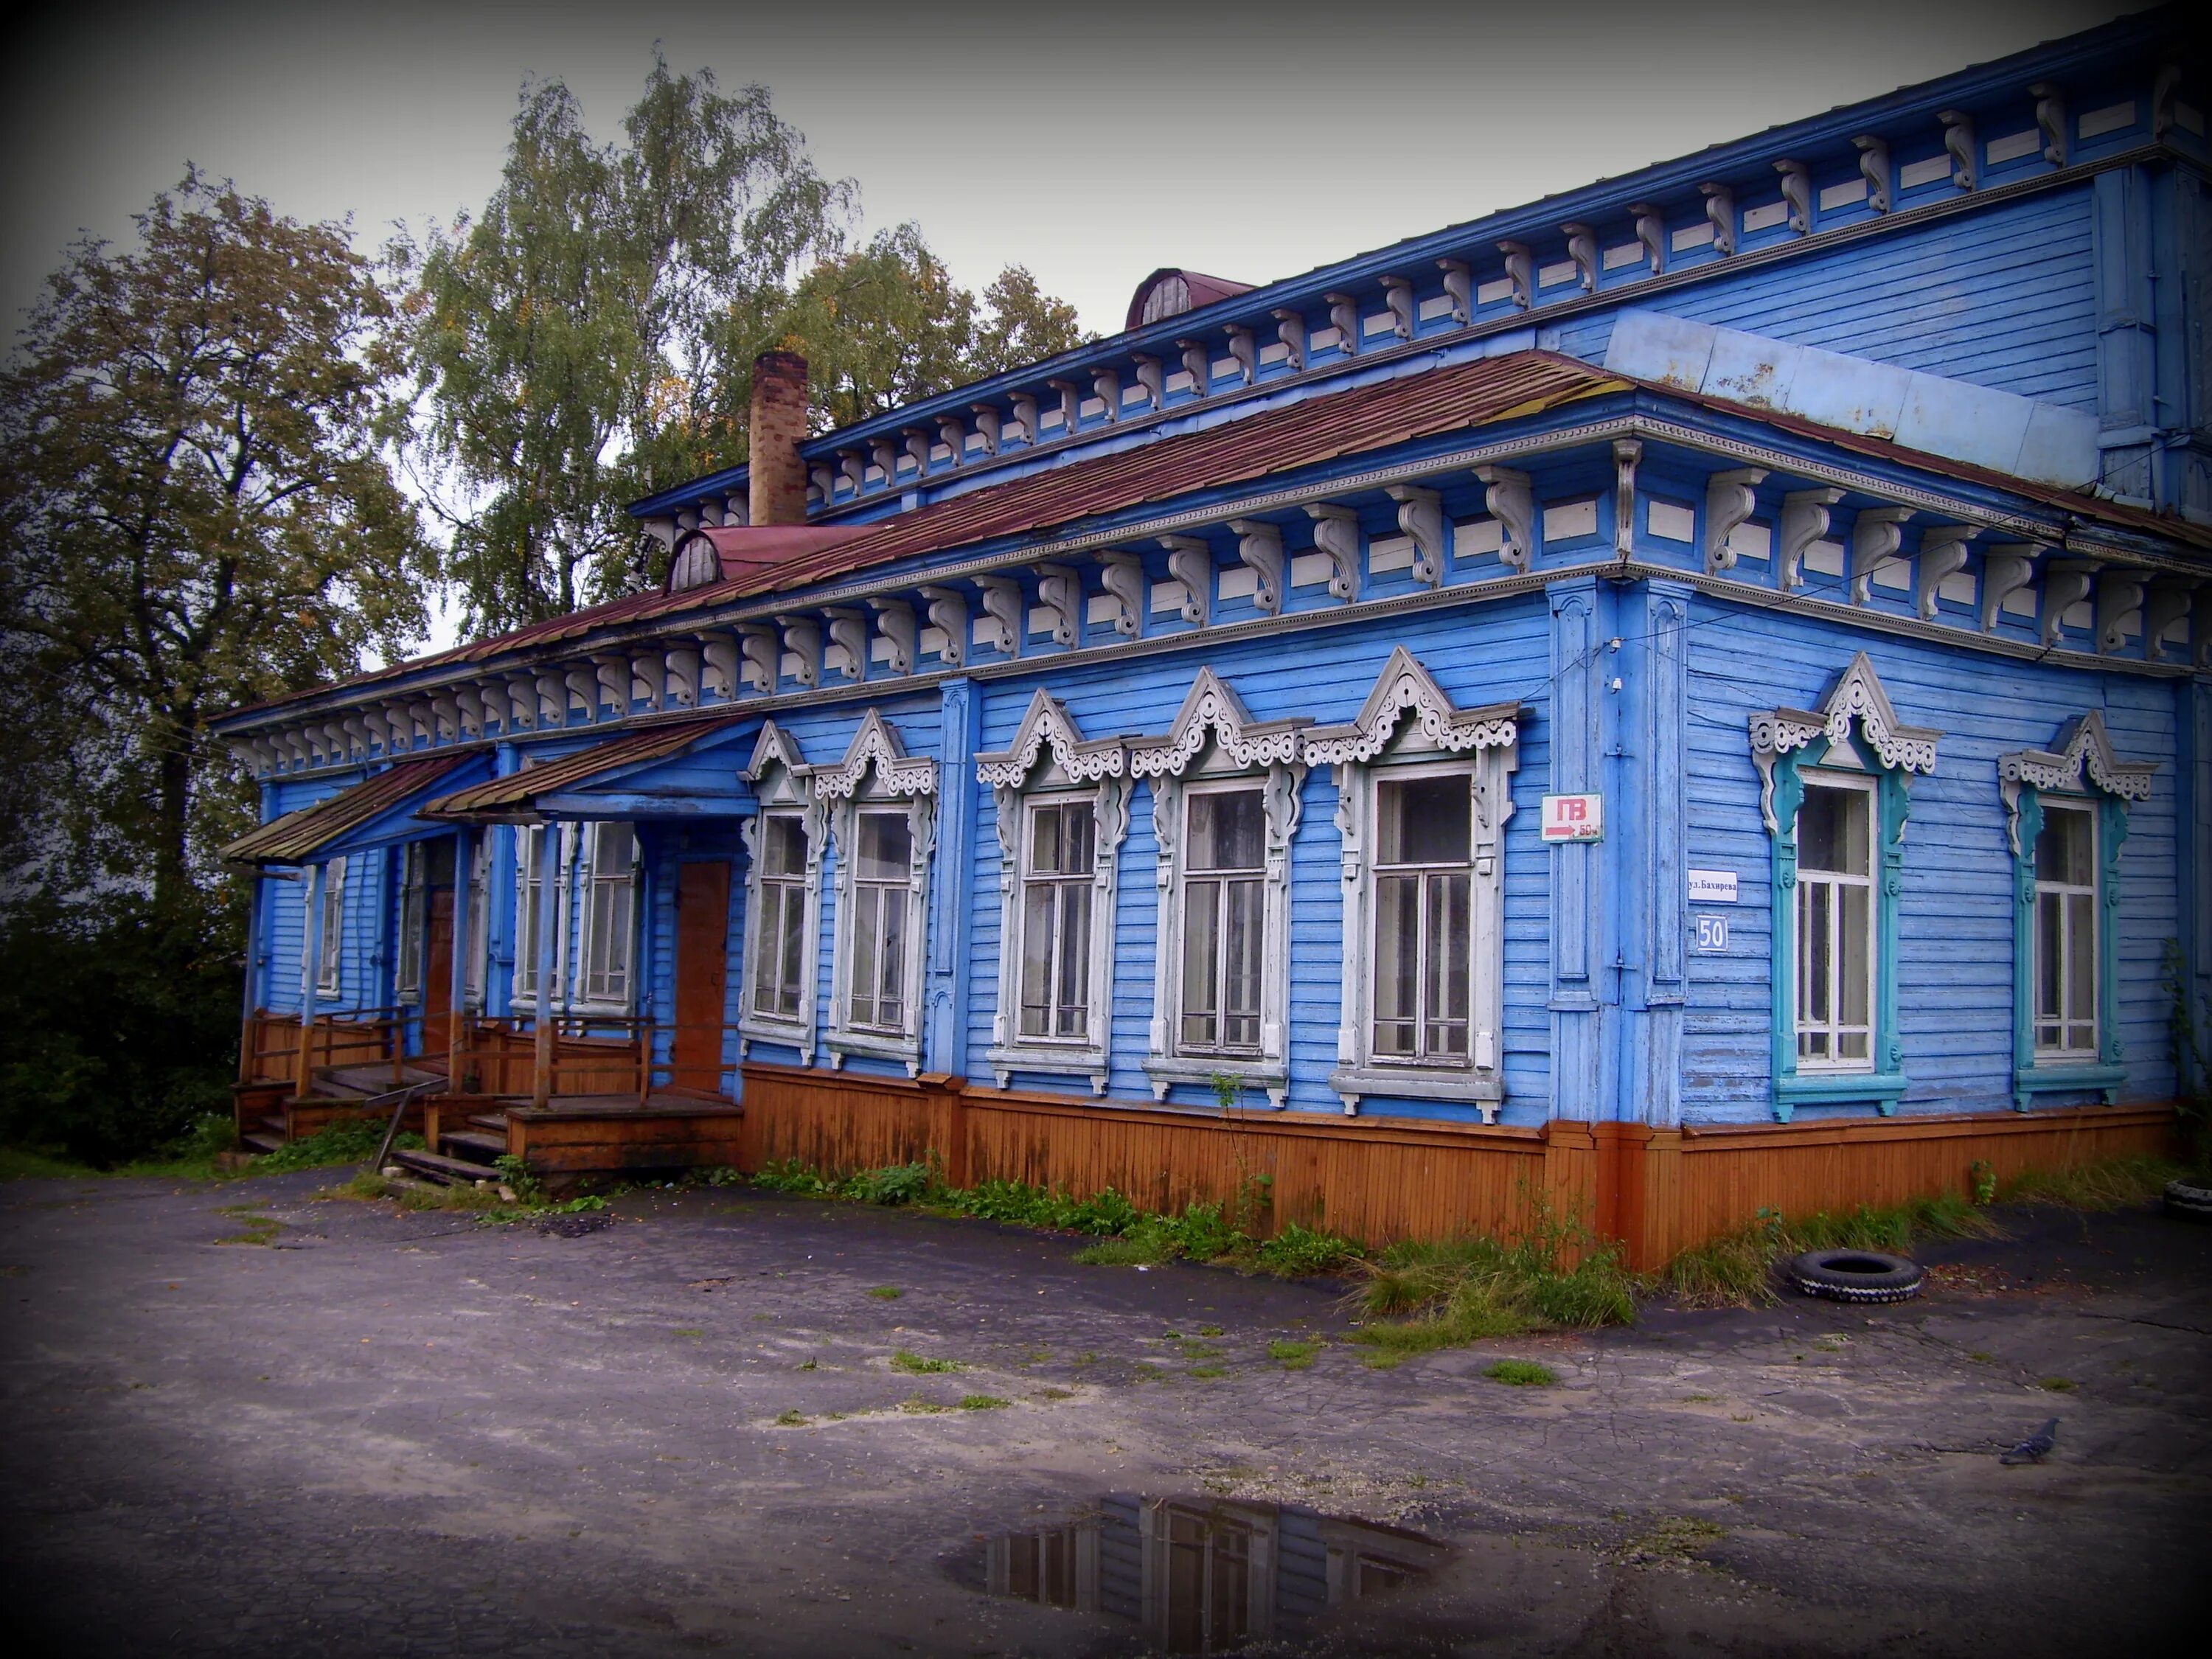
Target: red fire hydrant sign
[(1574, 817)]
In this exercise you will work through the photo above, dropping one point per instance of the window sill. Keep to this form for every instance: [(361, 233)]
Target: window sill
[(1167, 1070), (907, 1051), (1882, 1090), (795, 1036), (1484, 1091), (1072, 1060), (2052, 1077)]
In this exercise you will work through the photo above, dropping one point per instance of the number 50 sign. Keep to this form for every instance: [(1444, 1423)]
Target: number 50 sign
[(1574, 817)]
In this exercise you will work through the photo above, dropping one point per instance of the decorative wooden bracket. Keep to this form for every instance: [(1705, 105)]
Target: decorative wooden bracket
[(1421, 516), (1123, 577), (648, 673), (611, 676), (802, 638), (1071, 404), (2168, 603), (954, 436), (1002, 613), (1874, 168), (1651, 232), (824, 480), (1344, 318), (1106, 386), (1398, 295), (1942, 555), (1720, 214), (986, 425), (2162, 88), (719, 652), (1582, 248), (1153, 377), (1805, 515), (1059, 590), (1731, 498), (2119, 602), (552, 704), (1260, 546), (1521, 271), (1190, 560), (1797, 193), (1291, 330), (1959, 140), (2005, 571), (2051, 120), (1876, 535), (1025, 417), (1242, 348), (1626, 453), (758, 641), (1459, 287), (948, 615), (2066, 583), (1198, 363), (1336, 533), (848, 632), (1510, 497), (851, 469)]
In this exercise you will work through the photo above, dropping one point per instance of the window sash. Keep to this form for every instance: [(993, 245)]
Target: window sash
[(779, 947), (478, 946), (1222, 901), (610, 916), (330, 960), (877, 1000), (414, 922), (1055, 920), (1836, 950), (1421, 958), (529, 889), (2066, 955)]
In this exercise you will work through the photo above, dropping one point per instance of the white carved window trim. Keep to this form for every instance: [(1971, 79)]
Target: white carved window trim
[(600, 885), (1213, 741), (524, 995), (1482, 744), (414, 924), (477, 951), (1050, 763), (876, 773), (780, 776), (330, 965)]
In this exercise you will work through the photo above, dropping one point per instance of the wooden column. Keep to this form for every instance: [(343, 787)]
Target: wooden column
[(311, 964), (548, 930), (249, 1034), (457, 1002)]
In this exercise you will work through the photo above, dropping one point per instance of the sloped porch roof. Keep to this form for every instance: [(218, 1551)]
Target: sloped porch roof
[(298, 836), (562, 788)]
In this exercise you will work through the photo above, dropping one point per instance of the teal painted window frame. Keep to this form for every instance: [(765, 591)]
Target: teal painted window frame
[(2104, 1075), (1884, 1083)]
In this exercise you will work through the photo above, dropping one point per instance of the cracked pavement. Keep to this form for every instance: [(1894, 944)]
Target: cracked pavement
[(386, 1433)]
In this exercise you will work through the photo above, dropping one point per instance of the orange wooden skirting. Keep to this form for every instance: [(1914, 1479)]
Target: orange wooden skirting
[(1379, 1180)]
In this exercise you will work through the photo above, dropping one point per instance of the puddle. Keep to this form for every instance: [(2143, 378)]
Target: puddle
[(1202, 1574)]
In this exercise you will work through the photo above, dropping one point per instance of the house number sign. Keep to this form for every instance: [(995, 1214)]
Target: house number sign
[(1574, 817), (1712, 932)]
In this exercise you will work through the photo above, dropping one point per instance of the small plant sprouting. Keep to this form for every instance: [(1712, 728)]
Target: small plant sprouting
[(916, 1365), (2057, 1384), (1292, 1355), (885, 1293), (1984, 1176), (791, 1419), (1521, 1374), (983, 1402)]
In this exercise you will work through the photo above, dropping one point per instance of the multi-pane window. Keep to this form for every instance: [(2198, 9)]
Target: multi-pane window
[(1835, 968), (1424, 944), (1223, 898), (479, 920), (530, 847), (333, 940), (1058, 860), (414, 918), (609, 915), (2066, 932), (880, 892), (779, 930)]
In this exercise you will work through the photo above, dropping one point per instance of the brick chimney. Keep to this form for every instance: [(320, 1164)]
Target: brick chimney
[(778, 427)]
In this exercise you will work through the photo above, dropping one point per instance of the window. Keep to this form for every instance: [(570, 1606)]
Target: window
[(609, 912), (530, 846), (1423, 967), (479, 922), (414, 920), (882, 852), (1056, 884), (780, 929), (328, 963), (1223, 904), (2066, 933), (1836, 946)]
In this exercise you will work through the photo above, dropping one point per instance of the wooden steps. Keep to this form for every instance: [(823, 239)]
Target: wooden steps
[(445, 1171), (476, 1143), (366, 1082)]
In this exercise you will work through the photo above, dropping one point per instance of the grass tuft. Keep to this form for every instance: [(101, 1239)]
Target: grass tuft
[(1472, 1288), (1293, 1355), (1521, 1374), (983, 1402), (791, 1419), (2119, 1184), (915, 1366), (1736, 1269), (885, 1293)]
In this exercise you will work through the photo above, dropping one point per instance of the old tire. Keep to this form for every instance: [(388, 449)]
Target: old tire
[(1855, 1275), (2189, 1200)]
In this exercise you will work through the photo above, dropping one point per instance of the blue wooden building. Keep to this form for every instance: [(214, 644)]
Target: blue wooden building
[(1692, 694)]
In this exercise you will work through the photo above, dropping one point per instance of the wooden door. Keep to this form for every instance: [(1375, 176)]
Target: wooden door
[(438, 972), (702, 975)]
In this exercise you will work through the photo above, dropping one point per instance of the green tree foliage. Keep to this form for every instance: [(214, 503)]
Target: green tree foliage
[(196, 514), (589, 337)]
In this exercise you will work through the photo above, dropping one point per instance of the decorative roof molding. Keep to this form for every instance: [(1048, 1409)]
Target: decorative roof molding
[(1855, 695), (2083, 757), (875, 743), (775, 747), (1212, 709), (1047, 724), (1405, 685)]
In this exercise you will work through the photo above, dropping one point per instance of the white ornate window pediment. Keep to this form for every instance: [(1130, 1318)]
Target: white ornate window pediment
[(1856, 697), (781, 782), (876, 772), (1409, 728), (1049, 762), (2083, 759), (1214, 741)]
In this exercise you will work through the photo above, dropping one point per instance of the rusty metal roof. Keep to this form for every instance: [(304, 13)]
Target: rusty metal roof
[(514, 795), (297, 836)]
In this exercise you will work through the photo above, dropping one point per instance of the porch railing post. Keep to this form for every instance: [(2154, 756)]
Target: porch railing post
[(310, 969), (548, 928)]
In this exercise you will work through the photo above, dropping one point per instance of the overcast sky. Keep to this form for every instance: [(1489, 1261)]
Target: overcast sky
[(1251, 143)]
